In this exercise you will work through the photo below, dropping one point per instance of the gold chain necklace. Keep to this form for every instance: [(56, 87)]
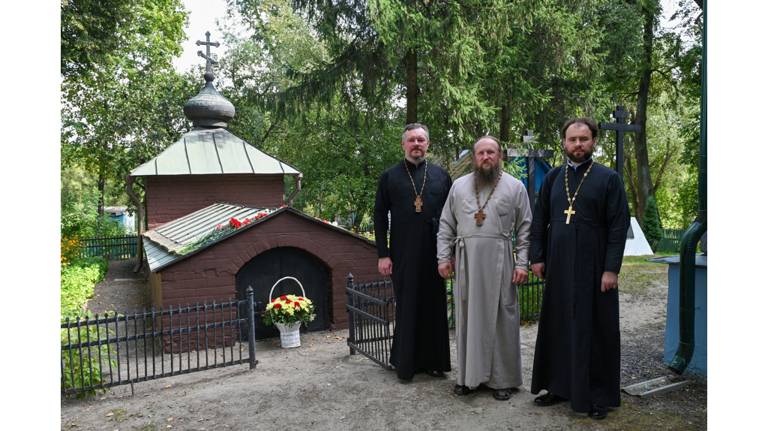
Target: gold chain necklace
[(569, 212), (480, 215), (418, 202)]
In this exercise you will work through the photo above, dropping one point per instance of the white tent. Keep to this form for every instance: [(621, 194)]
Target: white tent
[(636, 245)]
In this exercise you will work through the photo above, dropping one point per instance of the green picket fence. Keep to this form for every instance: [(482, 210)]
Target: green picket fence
[(670, 240), (113, 247)]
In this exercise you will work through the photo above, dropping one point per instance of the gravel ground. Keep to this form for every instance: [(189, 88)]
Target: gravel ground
[(320, 386)]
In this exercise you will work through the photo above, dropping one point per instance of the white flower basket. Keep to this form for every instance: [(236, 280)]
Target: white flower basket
[(289, 333)]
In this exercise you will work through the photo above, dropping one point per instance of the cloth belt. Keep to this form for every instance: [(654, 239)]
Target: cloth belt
[(461, 260)]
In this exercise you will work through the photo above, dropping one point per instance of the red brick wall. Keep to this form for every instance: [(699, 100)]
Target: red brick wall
[(210, 274), (172, 196)]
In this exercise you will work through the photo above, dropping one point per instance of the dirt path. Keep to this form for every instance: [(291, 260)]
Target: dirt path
[(319, 386)]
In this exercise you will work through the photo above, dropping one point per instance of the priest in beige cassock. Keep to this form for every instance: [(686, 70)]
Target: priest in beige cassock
[(484, 212)]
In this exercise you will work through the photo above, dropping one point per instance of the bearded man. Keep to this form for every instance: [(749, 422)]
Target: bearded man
[(484, 237), (412, 193), (577, 241)]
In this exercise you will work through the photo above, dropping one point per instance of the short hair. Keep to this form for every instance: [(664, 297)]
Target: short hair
[(414, 126), (493, 138), (581, 120)]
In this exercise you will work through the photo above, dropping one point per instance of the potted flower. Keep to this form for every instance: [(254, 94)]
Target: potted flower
[(287, 312)]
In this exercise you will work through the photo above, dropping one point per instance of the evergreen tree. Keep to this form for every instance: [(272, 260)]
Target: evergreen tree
[(652, 223)]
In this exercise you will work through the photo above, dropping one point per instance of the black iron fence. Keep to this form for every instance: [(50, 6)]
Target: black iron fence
[(112, 247), (530, 295), (371, 313), (102, 352)]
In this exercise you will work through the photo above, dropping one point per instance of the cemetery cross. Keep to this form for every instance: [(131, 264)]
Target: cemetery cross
[(620, 126)]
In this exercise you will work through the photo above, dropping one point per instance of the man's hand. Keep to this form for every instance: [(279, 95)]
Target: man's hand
[(538, 270), (445, 269), (520, 276), (385, 266), (610, 281)]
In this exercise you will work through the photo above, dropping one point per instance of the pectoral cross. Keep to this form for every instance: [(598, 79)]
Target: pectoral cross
[(569, 212), (418, 203), (479, 217)]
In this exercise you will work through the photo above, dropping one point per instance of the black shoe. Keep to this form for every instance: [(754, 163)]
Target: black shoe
[(598, 412), (503, 394), (548, 399), (436, 373), (461, 390)]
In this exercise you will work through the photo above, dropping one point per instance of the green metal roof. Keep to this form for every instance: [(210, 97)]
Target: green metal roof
[(212, 151), (188, 235), (196, 231)]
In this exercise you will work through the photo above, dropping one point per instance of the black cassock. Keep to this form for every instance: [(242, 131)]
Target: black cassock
[(577, 347), (421, 321)]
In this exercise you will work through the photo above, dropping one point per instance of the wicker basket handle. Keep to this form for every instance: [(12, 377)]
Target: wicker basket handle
[(304, 294)]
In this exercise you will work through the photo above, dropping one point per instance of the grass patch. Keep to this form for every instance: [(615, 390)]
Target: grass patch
[(637, 274), (638, 415)]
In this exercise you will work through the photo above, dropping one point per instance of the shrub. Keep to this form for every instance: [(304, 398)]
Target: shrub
[(78, 279), (652, 223)]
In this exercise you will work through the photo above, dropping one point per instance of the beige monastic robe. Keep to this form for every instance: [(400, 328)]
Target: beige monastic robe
[(487, 311)]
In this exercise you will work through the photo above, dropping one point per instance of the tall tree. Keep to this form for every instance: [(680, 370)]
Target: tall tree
[(116, 97), (650, 10)]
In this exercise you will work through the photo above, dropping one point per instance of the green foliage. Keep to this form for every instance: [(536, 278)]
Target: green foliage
[(79, 203), (78, 280), (323, 86), (129, 32), (82, 367), (516, 168), (121, 99), (530, 298), (652, 223)]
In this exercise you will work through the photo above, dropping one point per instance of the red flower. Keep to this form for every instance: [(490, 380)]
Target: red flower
[(283, 297), (234, 223), (278, 305), (300, 298)]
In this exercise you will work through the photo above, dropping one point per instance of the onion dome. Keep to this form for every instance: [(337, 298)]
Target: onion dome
[(209, 108)]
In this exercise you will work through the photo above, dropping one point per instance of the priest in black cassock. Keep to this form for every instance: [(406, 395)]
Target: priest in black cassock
[(412, 194), (577, 243)]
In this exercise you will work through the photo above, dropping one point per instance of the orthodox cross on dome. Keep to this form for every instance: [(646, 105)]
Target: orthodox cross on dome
[(209, 61)]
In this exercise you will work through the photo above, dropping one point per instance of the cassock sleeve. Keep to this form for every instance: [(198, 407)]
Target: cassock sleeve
[(447, 233), (617, 220), (540, 223), (522, 227), (381, 216)]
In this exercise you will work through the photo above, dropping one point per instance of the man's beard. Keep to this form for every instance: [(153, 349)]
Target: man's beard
[(487, 176), (587, 154)]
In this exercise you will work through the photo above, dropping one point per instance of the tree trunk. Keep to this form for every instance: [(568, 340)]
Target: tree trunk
[(504, 123), (644, 185), (411, 87), (101, 184), (140, 220)]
